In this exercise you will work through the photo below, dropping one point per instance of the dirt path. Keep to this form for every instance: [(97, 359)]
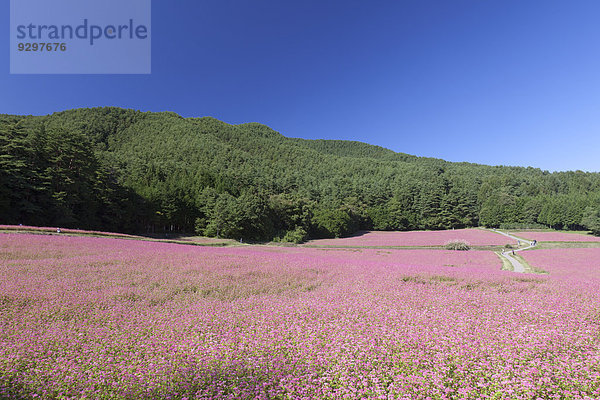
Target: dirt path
[(509, 254)]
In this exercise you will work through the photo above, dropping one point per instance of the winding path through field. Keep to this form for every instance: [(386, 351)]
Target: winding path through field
[(517, 265)]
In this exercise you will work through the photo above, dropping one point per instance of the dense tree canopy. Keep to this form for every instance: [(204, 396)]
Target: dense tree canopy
[(591, 219), (124, 170)]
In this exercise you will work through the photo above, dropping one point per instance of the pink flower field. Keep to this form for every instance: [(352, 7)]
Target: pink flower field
[(475, 237), (558, 237), (66, 231), (569, 263), (46, 229), (102, 318)]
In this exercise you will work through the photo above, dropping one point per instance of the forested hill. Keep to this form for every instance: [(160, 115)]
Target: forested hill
[(125, 170)]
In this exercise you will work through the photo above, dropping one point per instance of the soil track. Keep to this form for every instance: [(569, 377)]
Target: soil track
[(516, 264)]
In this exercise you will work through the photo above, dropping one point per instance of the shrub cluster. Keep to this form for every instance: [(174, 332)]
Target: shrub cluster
[(297, 236), (461, 245), (522, 225)]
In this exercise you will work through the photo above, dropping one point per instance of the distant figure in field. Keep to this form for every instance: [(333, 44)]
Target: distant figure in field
[(57, 230), (513, 252)]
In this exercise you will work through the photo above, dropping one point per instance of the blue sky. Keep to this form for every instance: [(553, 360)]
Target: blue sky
[(500, 82)]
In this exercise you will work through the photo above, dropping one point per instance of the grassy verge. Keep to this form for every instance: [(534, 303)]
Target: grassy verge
[(511, 231), (494, 248), (506, 265), (185, 241), (565, 245), (529, 269)]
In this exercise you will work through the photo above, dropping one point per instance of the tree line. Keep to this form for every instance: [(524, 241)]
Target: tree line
[(129, 171)]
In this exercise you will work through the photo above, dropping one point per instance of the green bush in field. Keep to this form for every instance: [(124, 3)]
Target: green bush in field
[(460, 245), (297, 235)]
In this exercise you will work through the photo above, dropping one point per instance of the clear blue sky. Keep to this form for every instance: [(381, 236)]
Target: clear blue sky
[(504, 82)]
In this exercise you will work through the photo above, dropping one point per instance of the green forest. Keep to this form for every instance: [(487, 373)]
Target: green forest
[(140, 172)]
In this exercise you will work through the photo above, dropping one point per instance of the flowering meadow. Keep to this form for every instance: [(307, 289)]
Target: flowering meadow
[(558, 237), (200, 240), (46, 229), (475, 237), (569, 263), (103, 318)]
